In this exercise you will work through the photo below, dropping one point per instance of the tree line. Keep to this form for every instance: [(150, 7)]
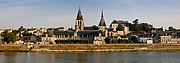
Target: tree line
[(71, 41), (136, 27), (11, 37)]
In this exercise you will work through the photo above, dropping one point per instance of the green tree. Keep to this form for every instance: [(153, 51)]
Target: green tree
[(130, 26), (178, 34), (15, 31), (71, 41), (134, 39), (10, 37), (135, 26), (144, 27), (122, 41), (107, 40), (172, 29), (120, 28), (26, 33), (21, 29), (136, 21)]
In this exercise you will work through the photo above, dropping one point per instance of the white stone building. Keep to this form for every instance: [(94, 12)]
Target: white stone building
[(169, 39), (144, 39)]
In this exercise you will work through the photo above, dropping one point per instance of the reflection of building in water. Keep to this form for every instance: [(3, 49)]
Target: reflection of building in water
[(10, 57), (81, 58)]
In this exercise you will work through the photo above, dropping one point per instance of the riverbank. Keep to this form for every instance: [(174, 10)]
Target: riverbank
[(92, 48), (111, 50)]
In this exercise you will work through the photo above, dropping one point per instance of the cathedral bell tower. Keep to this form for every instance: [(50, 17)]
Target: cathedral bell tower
[(102, 24), (79, 25)]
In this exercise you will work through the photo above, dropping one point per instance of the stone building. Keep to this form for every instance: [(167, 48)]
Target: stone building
[(112, 32), (94, 34), (169, 39)]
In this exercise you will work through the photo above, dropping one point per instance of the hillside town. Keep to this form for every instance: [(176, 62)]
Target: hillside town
[(119, 32)]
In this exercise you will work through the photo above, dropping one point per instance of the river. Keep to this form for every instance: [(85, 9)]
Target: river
[(90, 57)]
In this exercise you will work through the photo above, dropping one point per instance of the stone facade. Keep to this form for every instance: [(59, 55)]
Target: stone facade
[(169, 39), (94, 34)]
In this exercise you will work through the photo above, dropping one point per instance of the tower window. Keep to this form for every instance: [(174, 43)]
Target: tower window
[(80, 22)]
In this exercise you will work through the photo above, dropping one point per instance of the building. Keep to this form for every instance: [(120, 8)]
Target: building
[(115, 24), (112, 32), (94, 34), (144, 39), (165, 39), (154, 30), (150, 41), (169, 39)]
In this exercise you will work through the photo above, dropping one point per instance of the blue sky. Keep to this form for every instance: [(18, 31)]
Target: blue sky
[(56, 13)]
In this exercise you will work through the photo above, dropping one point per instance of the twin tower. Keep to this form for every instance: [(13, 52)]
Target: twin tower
[(79, 25)]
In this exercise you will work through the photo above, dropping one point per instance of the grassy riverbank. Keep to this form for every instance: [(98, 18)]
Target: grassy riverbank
[(113, 50), (15, 51), (92, 48)]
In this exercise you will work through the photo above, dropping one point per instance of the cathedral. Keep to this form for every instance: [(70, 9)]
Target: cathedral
[(94, 34)]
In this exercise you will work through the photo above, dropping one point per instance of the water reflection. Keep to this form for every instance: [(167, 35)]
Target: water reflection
[(10, 57), (80, 58), (86, 57)]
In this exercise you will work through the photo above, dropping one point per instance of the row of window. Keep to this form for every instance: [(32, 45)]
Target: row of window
[(63, 36)]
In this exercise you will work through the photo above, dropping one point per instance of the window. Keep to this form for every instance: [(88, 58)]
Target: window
[(80, 23)]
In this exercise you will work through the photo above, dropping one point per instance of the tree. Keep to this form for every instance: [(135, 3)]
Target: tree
[(107, 40), (21, 29), (134, 39), (172, 29), (10, 37), (144, 27), (135, 21), (136, 28), (120, 28), (178, 34), (26, 33), (15, 31), (122, 41), (71, 41), (130, 26)]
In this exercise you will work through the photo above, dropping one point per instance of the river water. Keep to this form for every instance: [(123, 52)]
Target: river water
[(90, 57)]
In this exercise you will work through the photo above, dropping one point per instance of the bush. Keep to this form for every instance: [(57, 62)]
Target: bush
[(71, 41)]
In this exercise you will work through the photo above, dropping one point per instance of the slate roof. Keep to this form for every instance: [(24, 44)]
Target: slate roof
[(102, 21), (110, 29), (118, 22), (157, 29), (63, 32), (88, 32), (79, 15), (50, 34), (91, 28)]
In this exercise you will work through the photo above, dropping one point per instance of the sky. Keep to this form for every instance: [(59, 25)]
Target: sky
[(58, 13)]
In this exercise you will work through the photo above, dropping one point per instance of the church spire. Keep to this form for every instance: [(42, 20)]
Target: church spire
[(79, 15), (102, 14), (79, 25), (102, 21)]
